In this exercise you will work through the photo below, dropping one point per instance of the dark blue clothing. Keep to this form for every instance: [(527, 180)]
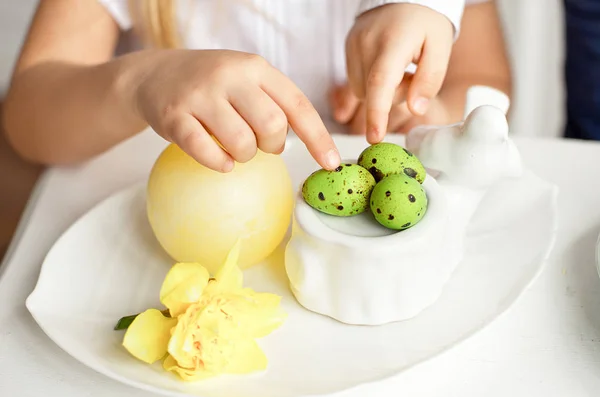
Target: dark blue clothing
[(582, 68)]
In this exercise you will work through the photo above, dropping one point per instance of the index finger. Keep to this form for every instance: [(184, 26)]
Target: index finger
[(303, 118), (384, 77)]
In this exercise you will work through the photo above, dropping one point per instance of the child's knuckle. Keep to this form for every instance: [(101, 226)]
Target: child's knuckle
[(273, 124), (377, 79)]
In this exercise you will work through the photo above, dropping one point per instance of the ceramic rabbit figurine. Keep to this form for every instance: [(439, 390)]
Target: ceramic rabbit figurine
[(377, 278)]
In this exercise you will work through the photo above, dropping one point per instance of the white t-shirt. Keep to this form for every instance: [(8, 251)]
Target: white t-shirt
[(304, 39)]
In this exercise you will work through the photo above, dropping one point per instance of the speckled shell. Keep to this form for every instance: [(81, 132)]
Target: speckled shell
[(343, 192), (398, 202), (384, 159)]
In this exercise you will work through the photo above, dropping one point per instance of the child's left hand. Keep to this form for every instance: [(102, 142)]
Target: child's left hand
[(382, 43), (446, 108)]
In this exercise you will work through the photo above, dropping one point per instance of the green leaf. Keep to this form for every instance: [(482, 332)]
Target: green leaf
[(125, 322)]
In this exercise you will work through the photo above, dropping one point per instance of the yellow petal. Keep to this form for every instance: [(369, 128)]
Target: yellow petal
[(248, 358), (192, 376), (268, 315), (229, 277), (182, 339), (169, 364), (183, 285), (217, 353), (181, 272), (186, 374), (182, 296), (257, 314), (148, 336)]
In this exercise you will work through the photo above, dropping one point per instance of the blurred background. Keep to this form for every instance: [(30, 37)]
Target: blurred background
[(534, 34)]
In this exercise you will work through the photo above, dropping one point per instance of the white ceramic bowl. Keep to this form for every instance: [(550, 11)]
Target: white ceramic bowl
[(358, 272)]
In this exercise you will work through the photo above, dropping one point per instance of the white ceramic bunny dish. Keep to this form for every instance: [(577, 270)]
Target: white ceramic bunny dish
[(358, 272)]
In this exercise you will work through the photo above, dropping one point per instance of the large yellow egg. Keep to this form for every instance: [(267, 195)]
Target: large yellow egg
[(198, 214)]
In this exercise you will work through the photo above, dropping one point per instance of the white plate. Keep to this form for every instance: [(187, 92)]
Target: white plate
[(108, 264)]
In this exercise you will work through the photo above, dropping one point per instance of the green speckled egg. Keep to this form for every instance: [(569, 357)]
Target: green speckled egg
[(398, 202), (343, 192), (384, 159)]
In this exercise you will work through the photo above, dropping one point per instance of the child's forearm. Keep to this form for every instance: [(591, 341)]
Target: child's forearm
[(57, 113), (478, 58)]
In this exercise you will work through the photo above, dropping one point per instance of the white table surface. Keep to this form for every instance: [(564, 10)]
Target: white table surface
[(548, 344)]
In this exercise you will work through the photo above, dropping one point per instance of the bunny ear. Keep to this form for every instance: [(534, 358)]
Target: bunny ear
[(479, 95), (486, 124), (485, 114)]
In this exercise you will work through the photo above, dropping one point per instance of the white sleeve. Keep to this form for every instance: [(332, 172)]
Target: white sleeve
[(452, 9), (119, 10)]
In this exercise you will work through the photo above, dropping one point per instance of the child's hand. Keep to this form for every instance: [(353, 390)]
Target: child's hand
[(238, 98), (446, 108), (382, 43)]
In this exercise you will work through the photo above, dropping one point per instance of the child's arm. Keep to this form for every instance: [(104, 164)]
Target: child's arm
[(479, 57), (64, 102), (68, 100)]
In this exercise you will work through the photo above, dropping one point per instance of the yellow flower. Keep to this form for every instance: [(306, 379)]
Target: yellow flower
[(217, 322)]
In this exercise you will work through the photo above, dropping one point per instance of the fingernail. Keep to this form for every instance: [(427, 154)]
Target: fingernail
[(281, 149), (228, 166), (420, 106), (373, 135), (342, 116), (332, 159)]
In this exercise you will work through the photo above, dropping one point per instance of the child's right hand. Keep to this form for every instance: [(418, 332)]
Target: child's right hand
[(245, 103)]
